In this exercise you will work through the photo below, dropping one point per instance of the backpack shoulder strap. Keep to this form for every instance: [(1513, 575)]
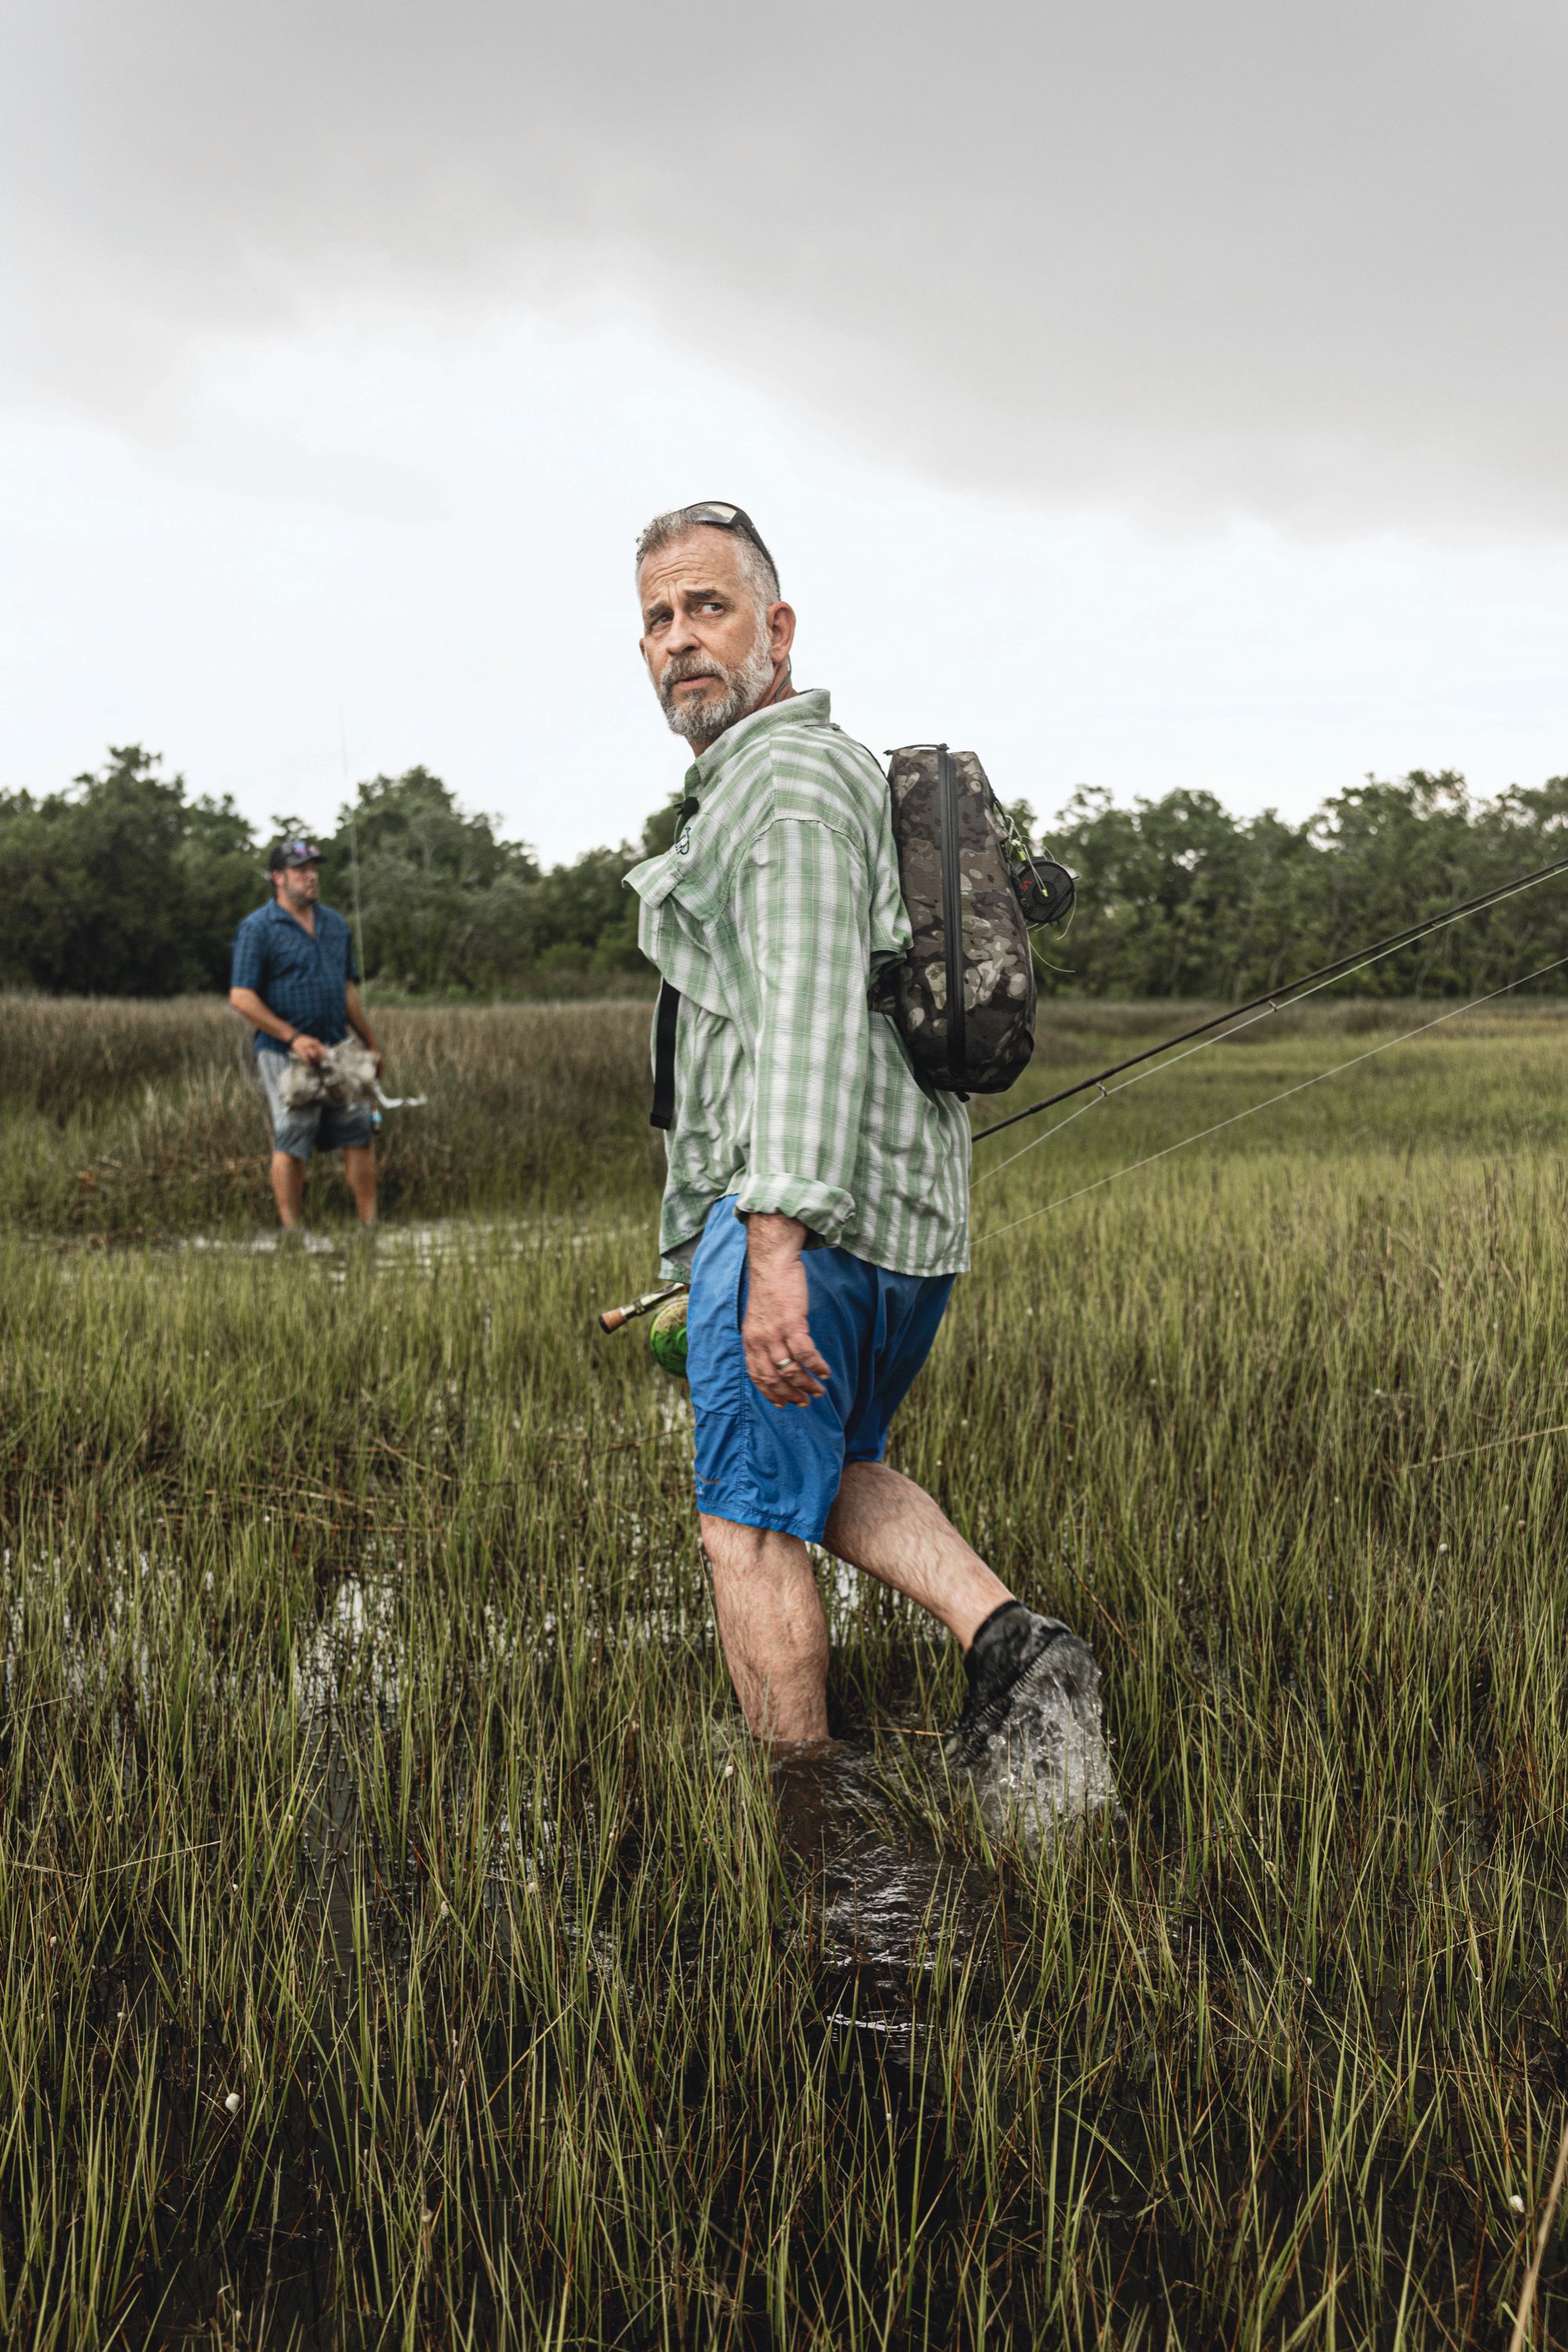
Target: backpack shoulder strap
[(663, 1111)]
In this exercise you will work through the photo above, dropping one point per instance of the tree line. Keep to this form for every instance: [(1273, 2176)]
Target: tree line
[(127, 884), (133, 886)]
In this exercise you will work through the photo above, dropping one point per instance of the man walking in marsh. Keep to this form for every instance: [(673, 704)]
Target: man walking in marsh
[(295, 979), (817, 1192)]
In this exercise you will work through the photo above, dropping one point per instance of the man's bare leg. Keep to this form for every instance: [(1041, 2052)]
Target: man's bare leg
[(883, 1523), (772, 1626), (287, 1176), (770, 1617), (359, 1167)]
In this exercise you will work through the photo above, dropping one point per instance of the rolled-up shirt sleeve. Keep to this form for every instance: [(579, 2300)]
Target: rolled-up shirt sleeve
[(801, 909)]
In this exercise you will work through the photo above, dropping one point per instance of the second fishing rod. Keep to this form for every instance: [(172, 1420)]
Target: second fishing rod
[(1280, 999)]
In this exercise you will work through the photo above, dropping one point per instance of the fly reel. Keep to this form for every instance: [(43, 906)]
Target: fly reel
[(667, 1332)]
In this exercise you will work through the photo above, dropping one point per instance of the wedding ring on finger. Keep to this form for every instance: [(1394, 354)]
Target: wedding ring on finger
[(784, 1364)]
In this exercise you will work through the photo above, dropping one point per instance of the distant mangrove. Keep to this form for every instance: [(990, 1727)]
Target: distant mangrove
[(137, 884)]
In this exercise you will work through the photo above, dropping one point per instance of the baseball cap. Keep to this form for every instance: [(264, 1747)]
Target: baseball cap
[(292, 853)]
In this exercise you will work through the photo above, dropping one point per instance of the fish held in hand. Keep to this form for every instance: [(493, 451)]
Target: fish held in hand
[(345, 1078)]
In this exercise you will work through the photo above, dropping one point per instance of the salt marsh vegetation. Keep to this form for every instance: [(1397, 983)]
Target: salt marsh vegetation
[(399, 1944)]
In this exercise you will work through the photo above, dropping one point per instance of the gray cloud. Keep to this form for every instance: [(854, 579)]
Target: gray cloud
[(1226, 257)]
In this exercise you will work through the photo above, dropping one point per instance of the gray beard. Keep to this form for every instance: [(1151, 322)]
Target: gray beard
[(703, 722)]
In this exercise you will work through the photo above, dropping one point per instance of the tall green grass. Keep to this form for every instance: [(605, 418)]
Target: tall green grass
[(366, 1759), (120, 1120), (126, 1122)]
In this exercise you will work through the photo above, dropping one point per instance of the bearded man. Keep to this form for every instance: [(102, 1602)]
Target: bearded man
[(817, 1192)]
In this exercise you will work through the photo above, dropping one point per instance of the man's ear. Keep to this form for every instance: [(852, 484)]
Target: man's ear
[(781, 631)]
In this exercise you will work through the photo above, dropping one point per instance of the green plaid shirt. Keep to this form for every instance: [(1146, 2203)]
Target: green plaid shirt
[(777, 902)]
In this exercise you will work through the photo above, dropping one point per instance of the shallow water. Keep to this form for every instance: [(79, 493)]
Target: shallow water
[(887, 1884), (882, 1886), (419, 1248), (865, 1819), (895, 1896)]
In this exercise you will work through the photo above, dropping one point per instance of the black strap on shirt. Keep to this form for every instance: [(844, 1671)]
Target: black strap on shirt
[(663, 1111), (669, 1014)]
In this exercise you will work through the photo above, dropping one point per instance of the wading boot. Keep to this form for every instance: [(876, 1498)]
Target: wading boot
[(1012, 1652)]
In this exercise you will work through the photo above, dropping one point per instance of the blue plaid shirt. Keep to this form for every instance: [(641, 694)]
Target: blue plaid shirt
[(303, 978)]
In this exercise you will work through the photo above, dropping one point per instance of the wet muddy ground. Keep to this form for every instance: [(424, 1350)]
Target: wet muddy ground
[(399, 1945)]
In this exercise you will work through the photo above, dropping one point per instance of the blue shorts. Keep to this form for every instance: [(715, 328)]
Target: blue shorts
[(766, 1465), (315, 1127)]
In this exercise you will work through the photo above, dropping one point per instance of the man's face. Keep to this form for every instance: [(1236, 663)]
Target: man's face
[(711, 651), (299, 886)]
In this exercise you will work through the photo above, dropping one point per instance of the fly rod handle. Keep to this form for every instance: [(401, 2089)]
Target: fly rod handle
[(614, 1316)]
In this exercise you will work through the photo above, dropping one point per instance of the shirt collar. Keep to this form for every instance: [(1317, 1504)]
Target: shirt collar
[(809, 709)]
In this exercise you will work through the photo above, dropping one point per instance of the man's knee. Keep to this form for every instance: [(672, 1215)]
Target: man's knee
[(737, 1549)]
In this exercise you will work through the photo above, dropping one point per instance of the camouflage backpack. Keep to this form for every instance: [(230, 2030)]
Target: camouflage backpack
[(963, 998)]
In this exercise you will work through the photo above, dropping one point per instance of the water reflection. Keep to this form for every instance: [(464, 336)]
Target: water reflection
[(892, 1883), (881, 1873)]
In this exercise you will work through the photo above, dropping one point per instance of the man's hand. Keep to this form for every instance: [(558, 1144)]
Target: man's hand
[(309, 1049), (780, 1356)]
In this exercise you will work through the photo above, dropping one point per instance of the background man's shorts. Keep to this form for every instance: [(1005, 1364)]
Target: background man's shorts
[(767, 1467), (319, 1127)]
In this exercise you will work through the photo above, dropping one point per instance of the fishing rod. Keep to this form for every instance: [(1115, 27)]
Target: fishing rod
[(1292, 990), (1202, 1134), (669, 1329), (614, 1316)]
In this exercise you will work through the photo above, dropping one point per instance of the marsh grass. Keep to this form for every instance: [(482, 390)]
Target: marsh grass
[(367, 1761), (129, 1121), (120, 1120)]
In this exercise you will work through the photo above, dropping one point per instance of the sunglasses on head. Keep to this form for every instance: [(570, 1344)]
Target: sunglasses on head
[(724, 516), (300, 851)]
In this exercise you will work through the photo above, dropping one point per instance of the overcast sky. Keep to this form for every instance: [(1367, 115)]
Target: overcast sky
[(1148, 394)]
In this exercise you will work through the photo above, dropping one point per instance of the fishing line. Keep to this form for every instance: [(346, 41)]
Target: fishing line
[(1292, 991), (1200, 1134), (1464, 1453), (1214, 1032), (1243, 1016), (1105, 1092), (107, 1869)]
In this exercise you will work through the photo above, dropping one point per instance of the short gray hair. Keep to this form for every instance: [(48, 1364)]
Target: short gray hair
[(677, 524)]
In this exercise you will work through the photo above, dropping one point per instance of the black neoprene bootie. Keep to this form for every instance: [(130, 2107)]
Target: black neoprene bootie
[(1008, 1643)]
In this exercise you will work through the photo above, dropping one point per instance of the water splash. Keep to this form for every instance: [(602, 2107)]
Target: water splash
[(1045, 1769)]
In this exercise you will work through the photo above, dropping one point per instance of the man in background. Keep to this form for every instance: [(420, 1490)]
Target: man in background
[(295, 979)]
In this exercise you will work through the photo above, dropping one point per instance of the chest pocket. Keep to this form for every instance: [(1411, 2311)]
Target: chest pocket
[(688, 928), (695, 888)]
